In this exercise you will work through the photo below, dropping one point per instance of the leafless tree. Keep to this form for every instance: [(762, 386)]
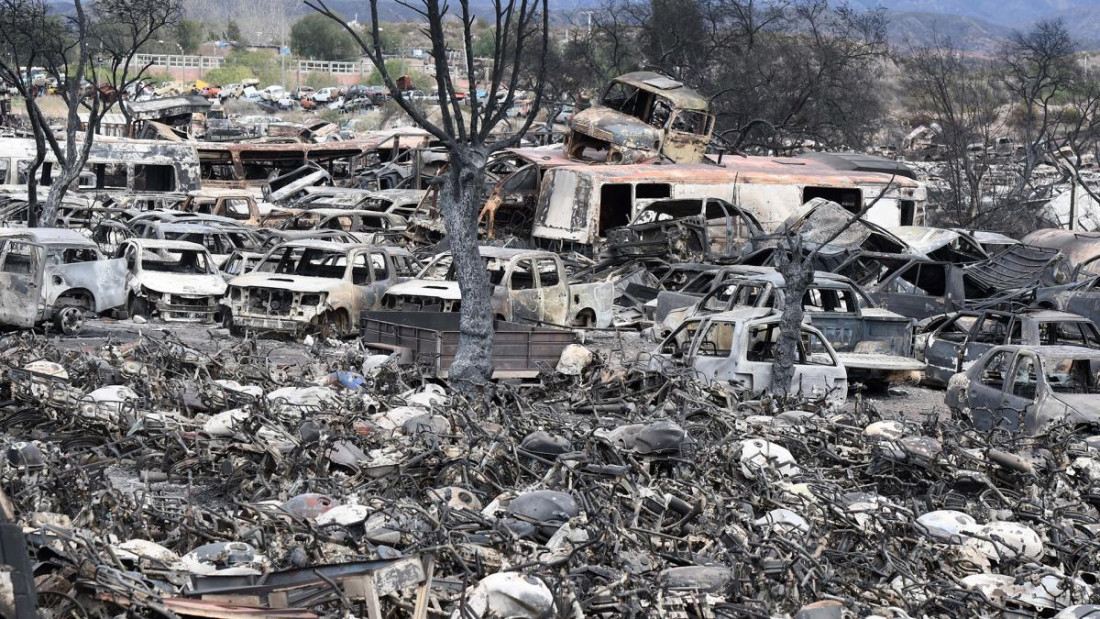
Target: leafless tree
[(959, 96), (88, 57), (466, 128), (91, 56), (122, 28), (25, 29), (1038, 68), (796, 265)]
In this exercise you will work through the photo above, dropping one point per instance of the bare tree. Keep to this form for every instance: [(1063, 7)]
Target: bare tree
[(122, 28), (25, 28), (796, 265), (91, 54), (1038, 68), (77, 51), (466, 128), (959, 96)]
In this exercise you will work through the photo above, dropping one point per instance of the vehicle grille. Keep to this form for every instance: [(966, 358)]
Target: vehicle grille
[(270, 302)]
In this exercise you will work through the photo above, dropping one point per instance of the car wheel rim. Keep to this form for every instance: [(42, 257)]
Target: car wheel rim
[(71, 321)]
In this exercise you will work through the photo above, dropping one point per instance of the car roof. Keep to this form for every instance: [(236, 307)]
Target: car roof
[(166, 244), (1048, 351), (743, 314), (1032, 313), (336, 246), (822, 279), (50, 236), (192, 227)]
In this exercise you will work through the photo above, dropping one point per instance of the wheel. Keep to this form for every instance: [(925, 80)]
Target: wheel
[(69, 319), (334, 324), (138, 306)]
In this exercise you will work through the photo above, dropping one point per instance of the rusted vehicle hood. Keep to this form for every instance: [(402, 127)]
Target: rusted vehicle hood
[(293, 283), (426, 288), (180, 283), (617, 128)]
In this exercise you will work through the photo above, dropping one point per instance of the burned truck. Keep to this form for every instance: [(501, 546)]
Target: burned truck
[(739, 346), (641, 116), (691, 230), (527, 286), (872, 342), (52, 274), (304, 286)]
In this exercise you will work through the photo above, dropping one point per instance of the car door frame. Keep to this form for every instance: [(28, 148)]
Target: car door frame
[(1016, 406), (523, 304), (21, 294)]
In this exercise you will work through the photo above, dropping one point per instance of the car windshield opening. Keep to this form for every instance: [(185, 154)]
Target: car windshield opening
[(187, 261)]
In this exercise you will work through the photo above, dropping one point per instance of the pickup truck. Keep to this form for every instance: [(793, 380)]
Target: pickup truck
[(56, 274), (322, 286), (240, 206), (872, 342), (430, 340), (527, 286), (738, 347)]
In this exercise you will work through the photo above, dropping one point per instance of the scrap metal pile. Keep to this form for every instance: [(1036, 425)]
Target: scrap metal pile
[(154, 478)]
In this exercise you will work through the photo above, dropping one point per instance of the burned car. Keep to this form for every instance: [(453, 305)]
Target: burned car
[(689, 230), (950, 343), (305, 286), (919, 288), (221, 241), (942, 244), (739, 346), (368, 226), (643, 115), (1028, 388), (526, 285), (240, 262), (176, 281), (871, 341), (56, 274), (1081, 297)]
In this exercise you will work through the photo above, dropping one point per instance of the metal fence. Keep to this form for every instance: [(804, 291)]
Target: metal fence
[(170, 61)]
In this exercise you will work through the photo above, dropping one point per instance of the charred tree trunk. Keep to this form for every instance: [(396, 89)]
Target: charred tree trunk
[(798, 273), (461, 201)]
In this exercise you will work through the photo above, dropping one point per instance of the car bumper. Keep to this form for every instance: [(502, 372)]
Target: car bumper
[(170, 311), (268, 323)]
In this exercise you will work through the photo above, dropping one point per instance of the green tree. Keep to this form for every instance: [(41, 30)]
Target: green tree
[(233, 33), (398, 67), (316, 36), (189, 35)]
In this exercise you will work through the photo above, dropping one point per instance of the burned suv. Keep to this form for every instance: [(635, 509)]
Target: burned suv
[(321, 286)]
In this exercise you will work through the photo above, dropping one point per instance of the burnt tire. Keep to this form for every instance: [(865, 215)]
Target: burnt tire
[(69, 320)]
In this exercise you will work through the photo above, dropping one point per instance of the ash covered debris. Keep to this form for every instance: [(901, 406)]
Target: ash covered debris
[(232, 392), (199, 479)]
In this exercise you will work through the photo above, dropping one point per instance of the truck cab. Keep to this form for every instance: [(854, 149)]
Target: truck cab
[(641, 116), (739, 346), (527, 285), (52, 274), (313, 285)]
